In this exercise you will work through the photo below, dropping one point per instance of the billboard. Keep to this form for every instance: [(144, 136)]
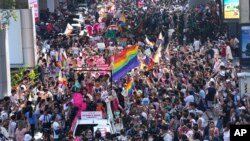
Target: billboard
[(33, 4), (245, 41), (245, 46), (231, 9)]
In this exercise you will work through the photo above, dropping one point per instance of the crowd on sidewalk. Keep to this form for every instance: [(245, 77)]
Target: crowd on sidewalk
[(185, 88)]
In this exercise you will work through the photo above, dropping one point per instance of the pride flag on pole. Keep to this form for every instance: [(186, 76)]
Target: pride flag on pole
[(129, 87), (157, 55), (124, 62)]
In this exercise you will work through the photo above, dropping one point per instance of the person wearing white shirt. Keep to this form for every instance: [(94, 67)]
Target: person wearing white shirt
[(196, 44), (188, 99), (4, 132), (12, 127), (45, 119), (167, 134), (56, 129), (229, 55)]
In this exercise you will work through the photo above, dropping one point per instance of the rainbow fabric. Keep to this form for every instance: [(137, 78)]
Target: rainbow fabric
[(124, 62), (157, 55), (129, 87), (149, 63), (62, 79)]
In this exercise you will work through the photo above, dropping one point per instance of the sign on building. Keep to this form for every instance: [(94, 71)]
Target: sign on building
[(244, 78), (33, 4)]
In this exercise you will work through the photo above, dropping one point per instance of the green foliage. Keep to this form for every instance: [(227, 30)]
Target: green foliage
[(17, 76), (7, 11)]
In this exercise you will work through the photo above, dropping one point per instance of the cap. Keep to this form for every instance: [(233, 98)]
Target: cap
[(242, 108), (27, 137)]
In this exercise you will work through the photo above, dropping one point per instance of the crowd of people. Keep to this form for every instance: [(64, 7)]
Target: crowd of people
[(190, 93)]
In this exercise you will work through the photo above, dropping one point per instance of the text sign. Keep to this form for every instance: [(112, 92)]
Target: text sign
[(91, 115), (239, 132)]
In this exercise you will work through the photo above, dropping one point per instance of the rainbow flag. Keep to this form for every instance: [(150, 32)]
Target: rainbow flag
[(124, 62), (62, 79), (157, 55), (149, 62), (129, 87), (64, 59), (124, 19)]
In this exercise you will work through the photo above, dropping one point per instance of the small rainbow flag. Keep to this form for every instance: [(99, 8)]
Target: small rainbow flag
[(149, 62), (129, 87), (124, 19), (63, 59), (124, 62), (157, 55), (62, 79)]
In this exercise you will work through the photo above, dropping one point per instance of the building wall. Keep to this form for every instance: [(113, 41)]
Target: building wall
[(28, 39), (244, 11), (42, 4), (194, 3)]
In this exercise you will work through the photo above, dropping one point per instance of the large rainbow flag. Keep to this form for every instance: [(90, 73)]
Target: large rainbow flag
[(129, 87), (124, 62)]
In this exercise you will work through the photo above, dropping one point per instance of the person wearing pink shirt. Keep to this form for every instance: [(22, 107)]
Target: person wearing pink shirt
[(21, 130)]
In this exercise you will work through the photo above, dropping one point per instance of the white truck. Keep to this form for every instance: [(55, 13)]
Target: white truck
[(94, 120)]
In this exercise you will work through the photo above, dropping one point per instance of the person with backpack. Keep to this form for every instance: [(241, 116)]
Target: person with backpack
[(45, 122)]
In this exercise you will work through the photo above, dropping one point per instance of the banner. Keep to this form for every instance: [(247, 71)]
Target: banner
[(231, 9), (245, 46), (245, 41), (91, 115), (33, 4)]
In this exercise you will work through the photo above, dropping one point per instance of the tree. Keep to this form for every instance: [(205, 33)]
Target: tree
[(7, 11)]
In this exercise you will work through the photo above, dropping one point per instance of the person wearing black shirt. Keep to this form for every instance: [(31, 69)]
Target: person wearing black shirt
[(211, 91)]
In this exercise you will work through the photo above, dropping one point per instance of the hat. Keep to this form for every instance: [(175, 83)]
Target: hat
[(23, 87), (212, 80), (139, 91), (242, 108), (27, 137), (222, 73)]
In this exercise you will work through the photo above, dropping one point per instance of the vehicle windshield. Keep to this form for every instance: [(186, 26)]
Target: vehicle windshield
[(83, 127)]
